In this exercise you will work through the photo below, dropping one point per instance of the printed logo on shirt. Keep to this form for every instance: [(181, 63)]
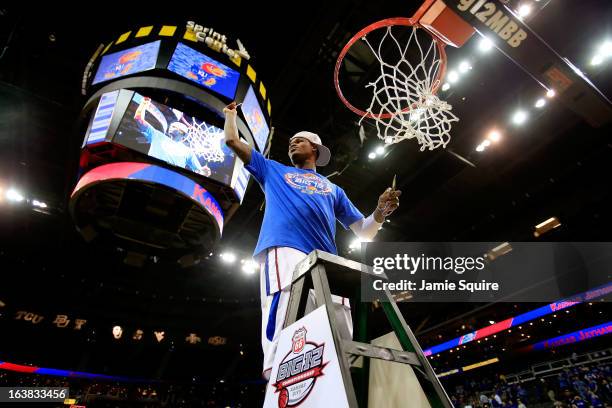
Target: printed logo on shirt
[(308, 183)]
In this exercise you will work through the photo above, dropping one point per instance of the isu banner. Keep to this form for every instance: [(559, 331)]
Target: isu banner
[(306, 370)]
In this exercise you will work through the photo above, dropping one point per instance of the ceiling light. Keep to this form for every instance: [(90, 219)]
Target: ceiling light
[(494, 136), (39, 204), (597, 59), (228, 257), (524, 10), (546, 226), (550, 93), (14, 195), (453, 77), (519, 117), (485, 44), (380, 149), (480, 148), (606, 49), (486, 143), (372, 156), (446, 86), (540, 103), (355, 244), (249, 267), (464, 67)]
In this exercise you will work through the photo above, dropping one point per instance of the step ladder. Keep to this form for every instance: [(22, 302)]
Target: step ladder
[(327, 273)]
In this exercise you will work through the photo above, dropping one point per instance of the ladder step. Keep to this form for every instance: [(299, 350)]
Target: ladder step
[(382, 353)]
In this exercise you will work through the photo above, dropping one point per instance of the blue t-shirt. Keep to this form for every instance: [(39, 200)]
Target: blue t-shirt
[(170, 151), (301, 207)]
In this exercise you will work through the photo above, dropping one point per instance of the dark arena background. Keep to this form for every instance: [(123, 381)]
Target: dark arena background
[(126, 274)]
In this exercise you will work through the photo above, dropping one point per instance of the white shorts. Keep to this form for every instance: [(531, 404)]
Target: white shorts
[(276, 273)]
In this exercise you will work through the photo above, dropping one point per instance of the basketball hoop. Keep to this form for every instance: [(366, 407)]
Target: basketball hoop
[(404, 102), (205, 141)]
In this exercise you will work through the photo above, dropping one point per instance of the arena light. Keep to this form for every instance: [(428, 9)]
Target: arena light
[(446, 86), (540, 103), (356, 244), (494, 135), (486, 143), (117, 332), (550, 93), (524, 10), (605, 50), (372, 155), (380, 150), (519, 117), (228, 257), (480, 148), (597, 59), (464, 67), (249, 267), (39, 204), (544, 227), (14, 195), (485, 45), (495, 253), (452, 77)]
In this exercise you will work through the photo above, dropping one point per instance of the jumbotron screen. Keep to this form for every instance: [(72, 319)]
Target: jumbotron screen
[(136, 59), (255, 119), (180, 140), (205, 71)]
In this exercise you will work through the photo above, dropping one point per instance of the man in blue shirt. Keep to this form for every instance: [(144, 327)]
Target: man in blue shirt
[(302, 207), (169, 148)]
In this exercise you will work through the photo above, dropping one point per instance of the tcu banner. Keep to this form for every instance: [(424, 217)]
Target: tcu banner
[(306, 370)]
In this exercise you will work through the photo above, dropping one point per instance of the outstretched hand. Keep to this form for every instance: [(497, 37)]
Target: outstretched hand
[(388, 202), (231, 109)]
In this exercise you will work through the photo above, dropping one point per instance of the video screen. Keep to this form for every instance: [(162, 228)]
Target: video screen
[(122, 63), (180, 140), (255, 119), (102, 118), (242, 183), (204, 70)]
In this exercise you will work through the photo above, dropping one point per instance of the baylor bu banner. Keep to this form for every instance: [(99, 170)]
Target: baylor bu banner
[(306, 370)]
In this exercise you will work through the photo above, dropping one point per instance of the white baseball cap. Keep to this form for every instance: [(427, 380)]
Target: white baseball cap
[(324, 152)]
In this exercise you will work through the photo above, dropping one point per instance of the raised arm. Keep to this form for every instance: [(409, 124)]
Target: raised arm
[(367, 228), (232, 140), (139, 116)]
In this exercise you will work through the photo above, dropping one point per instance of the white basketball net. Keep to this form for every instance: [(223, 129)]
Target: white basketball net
[(206, 141), (405, 91)]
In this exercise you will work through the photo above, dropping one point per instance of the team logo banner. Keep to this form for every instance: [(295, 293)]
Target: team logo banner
[(306, 372)]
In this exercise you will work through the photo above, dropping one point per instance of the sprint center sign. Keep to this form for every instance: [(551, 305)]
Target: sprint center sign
[(306, 370)]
